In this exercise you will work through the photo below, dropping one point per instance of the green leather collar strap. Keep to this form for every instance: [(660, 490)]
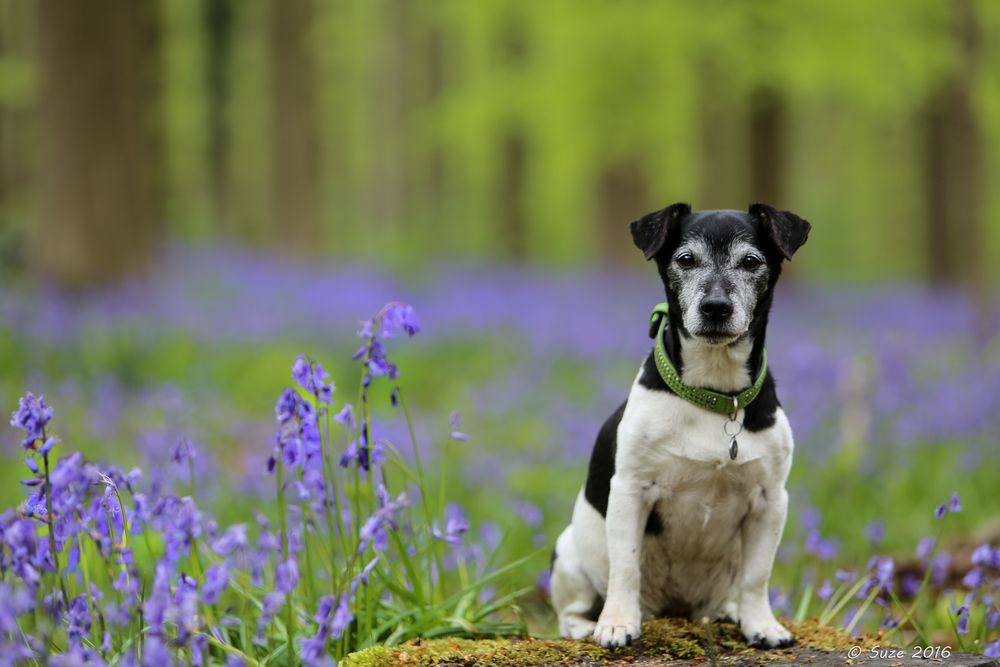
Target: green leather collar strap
[(724, 404)]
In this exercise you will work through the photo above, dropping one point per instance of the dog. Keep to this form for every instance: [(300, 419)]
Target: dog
[(684, 506)]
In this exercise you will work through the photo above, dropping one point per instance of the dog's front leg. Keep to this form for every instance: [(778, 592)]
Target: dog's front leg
[(619, 622), (761, 534)]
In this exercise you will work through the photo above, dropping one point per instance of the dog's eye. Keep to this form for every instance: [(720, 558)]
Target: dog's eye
[(685, 260), (751, 262)]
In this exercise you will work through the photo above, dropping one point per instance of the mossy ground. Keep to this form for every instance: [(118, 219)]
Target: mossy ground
[(662, 640)]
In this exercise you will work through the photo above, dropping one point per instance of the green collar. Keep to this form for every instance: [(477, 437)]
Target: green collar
[(724, 404)]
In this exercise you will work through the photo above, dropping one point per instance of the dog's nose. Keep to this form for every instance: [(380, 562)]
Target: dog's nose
[(716, 307)]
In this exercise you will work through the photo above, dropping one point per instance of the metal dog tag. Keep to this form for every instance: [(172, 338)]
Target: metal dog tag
[(734, 448)]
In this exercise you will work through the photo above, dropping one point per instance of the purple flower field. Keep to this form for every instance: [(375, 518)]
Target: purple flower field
[(891, 393)]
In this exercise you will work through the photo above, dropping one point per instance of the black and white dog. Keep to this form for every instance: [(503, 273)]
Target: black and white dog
[(670, 520)]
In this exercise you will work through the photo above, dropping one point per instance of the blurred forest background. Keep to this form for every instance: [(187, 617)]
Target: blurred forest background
[(498, 131)]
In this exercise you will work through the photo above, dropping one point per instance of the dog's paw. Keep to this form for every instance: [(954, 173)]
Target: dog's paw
[(770, 634), (614, 630), (576, 628)]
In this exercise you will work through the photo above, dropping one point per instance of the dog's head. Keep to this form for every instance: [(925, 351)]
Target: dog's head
[(719, 267)]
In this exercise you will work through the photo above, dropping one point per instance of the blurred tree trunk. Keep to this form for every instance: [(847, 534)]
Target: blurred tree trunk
[(512, 204), (514, 150), (767, 150), (294, 125), (101, 163), (721, 137), (17, 167), (387, 195), (623, 191), (956, 233), (218, 18)]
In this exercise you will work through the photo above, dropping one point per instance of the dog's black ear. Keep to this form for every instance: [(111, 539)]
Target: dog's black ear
[(787, 230), (650, 232)]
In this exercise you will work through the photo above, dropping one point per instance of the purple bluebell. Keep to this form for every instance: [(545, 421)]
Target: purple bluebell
[(31, 416), (974, 578), (986, 556), (889, 622), (345, 417), (925, 547), (273, 602), (456, 525), (909, 584), (875, 532), (939, 568), (216, 582), (962, 626), (234, 539), (342, 617), (992, 649), (287, 405), (183, 451), (199, 648), (825, 590), (313, 378), (77, 620), (455, 420), (374, 529), (286, 576), (779, 601)]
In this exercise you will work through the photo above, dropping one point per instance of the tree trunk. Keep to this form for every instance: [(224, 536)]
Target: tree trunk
[(767, 150), (956, 233), (101, 160), (218, 18), (512, 204), (623, 189), (295, 156)]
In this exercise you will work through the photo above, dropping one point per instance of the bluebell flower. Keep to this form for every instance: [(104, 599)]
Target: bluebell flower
[(345, 417), (287, 405), (286, 577), (77, 620), (183, 451), (399, 316), (216, 582), (342, 618), (909, 584), (199, 647), (363, 576), (939, 568), (925, 547), (875, 532), (530, 513), (889, 622), (455, 420), (779, 601), (825, 549), (825, 590), (962, 627), (954, 505), (456, 525), (313, 378), (373, 531), (986, 556), (973, 579), (31, 416), (993, 649), (272, 604), (235, 538)]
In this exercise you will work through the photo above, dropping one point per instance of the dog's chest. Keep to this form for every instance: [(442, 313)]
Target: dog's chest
[(660, 433)]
